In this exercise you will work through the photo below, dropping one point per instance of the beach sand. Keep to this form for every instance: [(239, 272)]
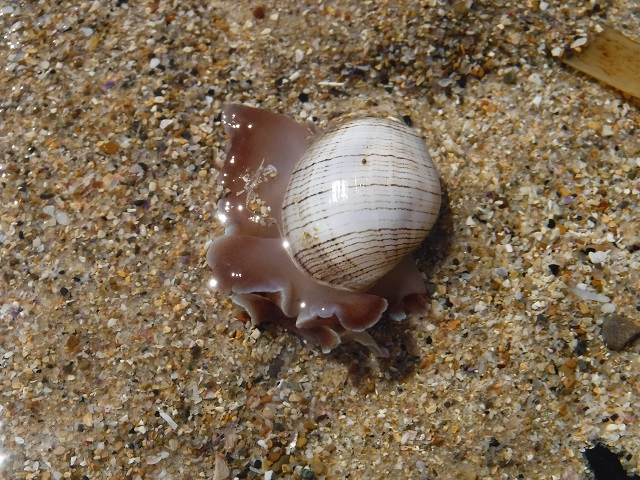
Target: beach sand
[(118, 361)]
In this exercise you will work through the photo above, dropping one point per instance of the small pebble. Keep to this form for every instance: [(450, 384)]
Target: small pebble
[(259, 12), (607, 131), (630, 232), (598, 257), (274, 456), (168, 419), (307, 474), (63, 218), (579, 42), (294, 397), (72, 343), (88, 419), (509, 78), (317, 466), (110, 147), (537, 100), (557, 51), (59, 450), (619, 332)]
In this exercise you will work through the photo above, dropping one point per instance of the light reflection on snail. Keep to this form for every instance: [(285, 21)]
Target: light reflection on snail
[(320, 226)]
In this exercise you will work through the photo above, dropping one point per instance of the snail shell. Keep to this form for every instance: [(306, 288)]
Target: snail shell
[(362, 197)]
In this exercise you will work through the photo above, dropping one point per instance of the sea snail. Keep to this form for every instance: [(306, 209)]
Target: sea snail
[(320, 226)]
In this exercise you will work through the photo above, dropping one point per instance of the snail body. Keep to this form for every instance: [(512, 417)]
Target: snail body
[(320, 226)]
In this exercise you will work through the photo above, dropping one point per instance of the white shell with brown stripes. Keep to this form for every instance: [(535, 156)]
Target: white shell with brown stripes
[(362, 197)]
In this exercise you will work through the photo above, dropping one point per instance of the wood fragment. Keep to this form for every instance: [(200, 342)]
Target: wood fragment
[(611, 58)]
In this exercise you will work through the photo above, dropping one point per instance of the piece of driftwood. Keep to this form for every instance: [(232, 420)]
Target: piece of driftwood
[(611, 58)]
